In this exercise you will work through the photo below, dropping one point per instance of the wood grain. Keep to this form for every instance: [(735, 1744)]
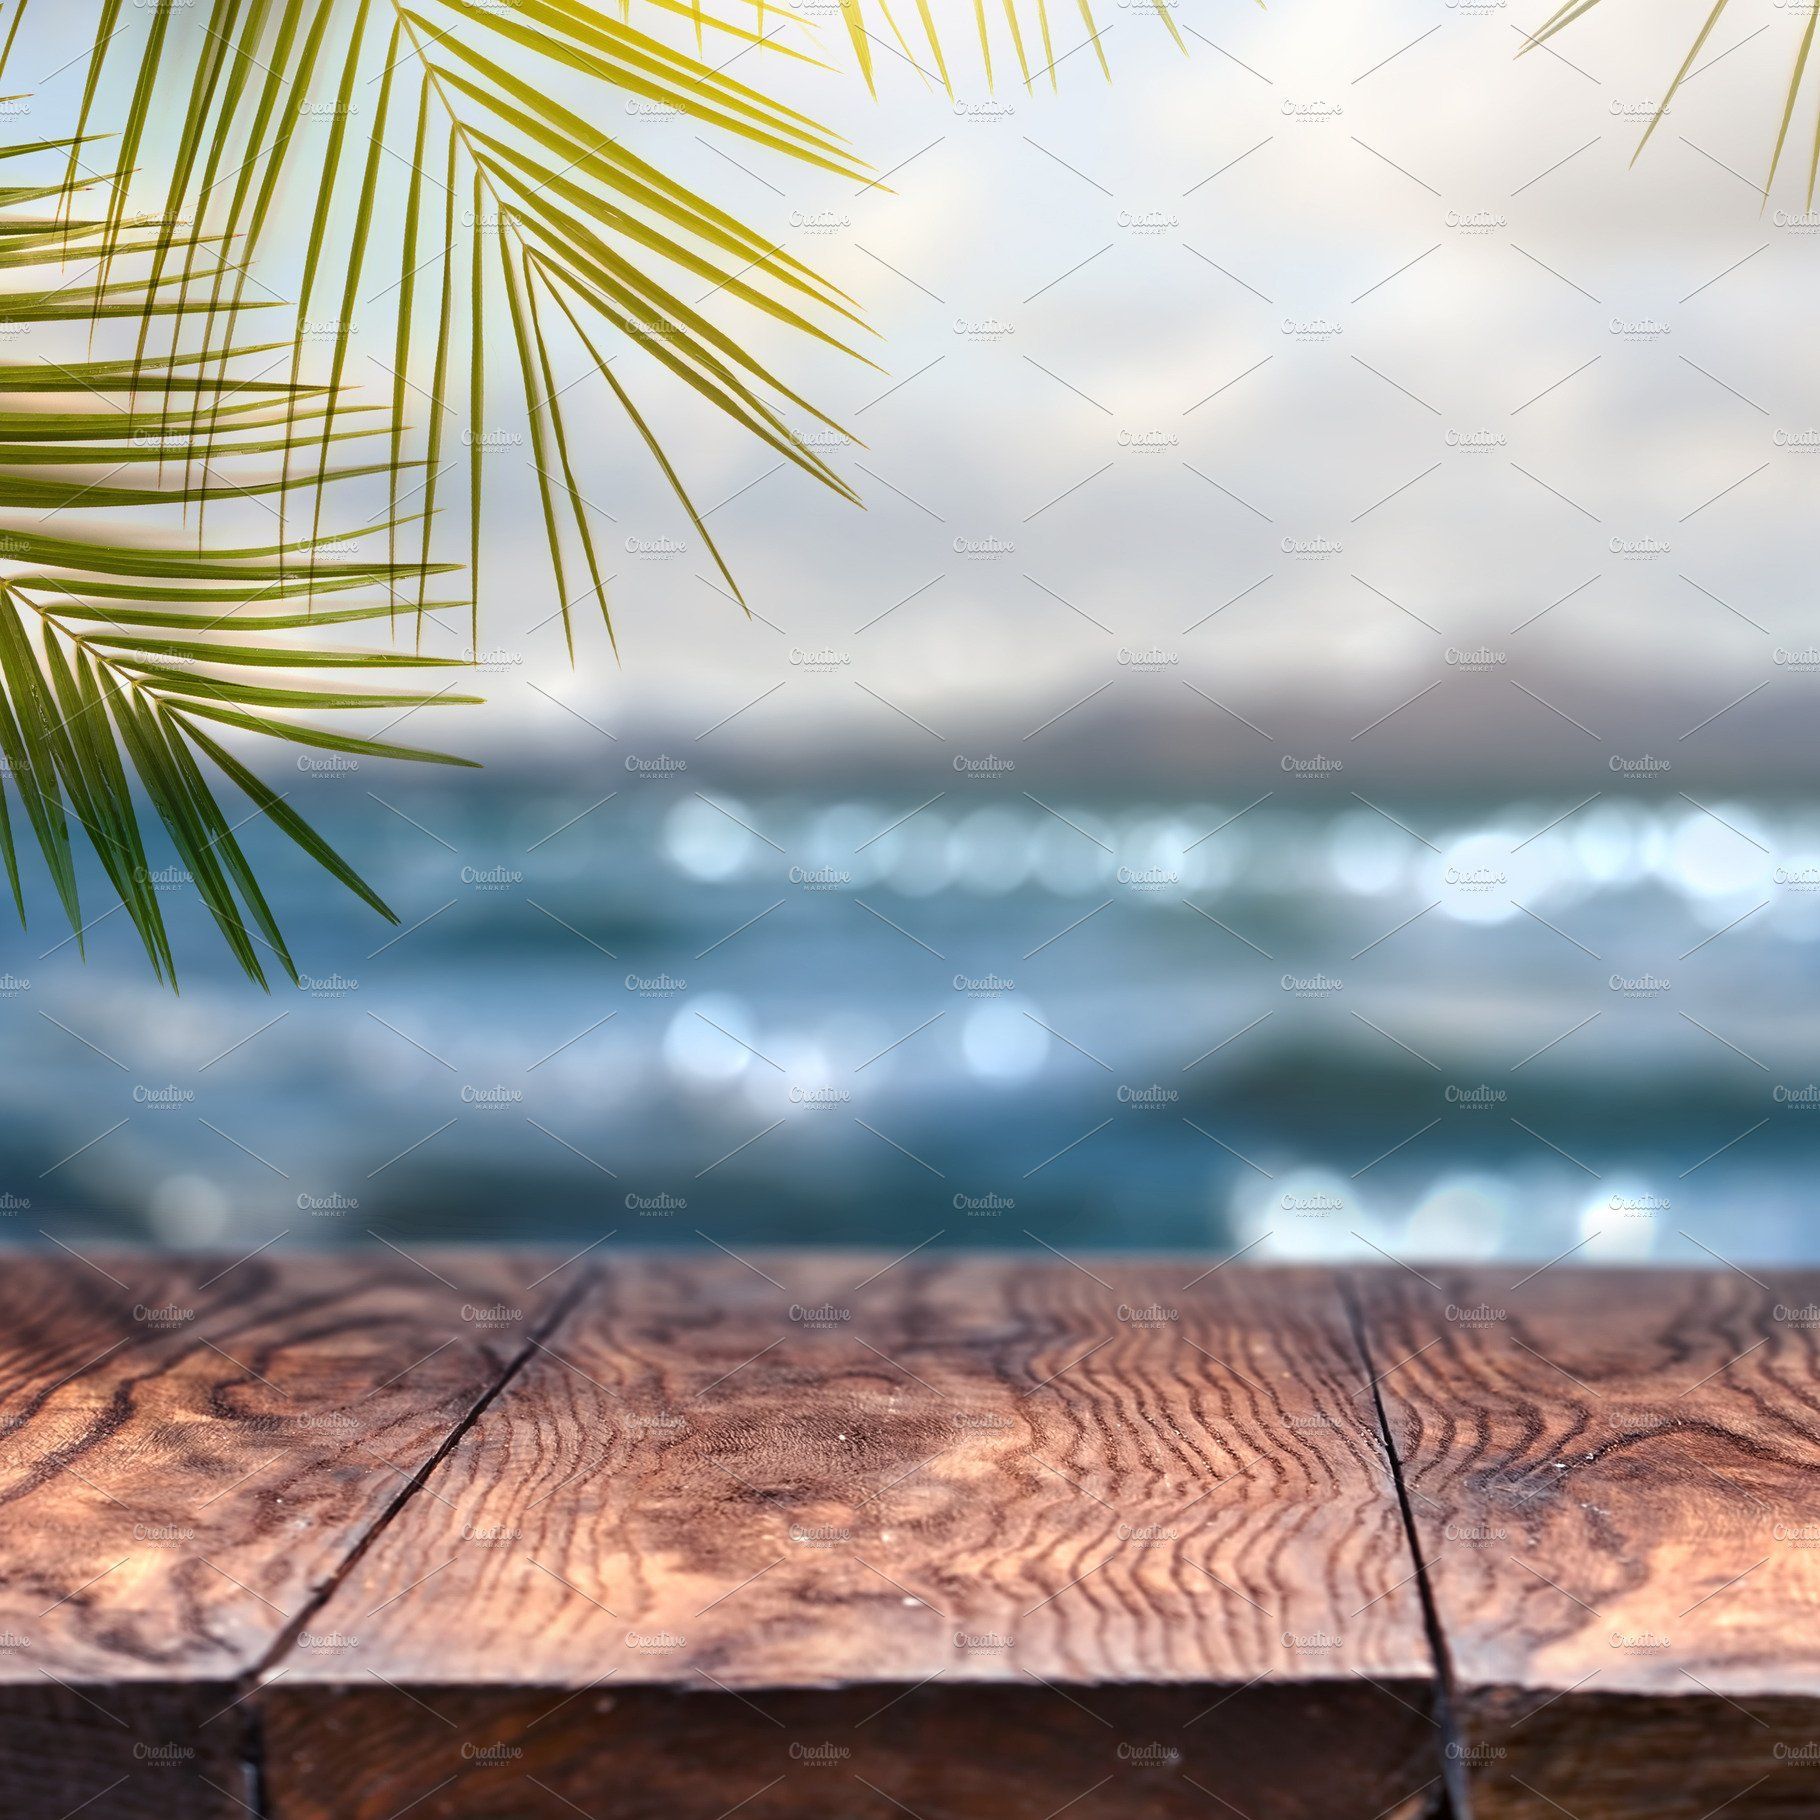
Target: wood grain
[(816, 1536), (810, 1535), (189, 1451), (1615, 1482)]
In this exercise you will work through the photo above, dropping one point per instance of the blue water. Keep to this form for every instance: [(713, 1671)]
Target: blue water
[(701, 1011)]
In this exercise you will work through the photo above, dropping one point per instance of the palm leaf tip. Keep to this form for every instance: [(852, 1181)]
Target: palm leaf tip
[(1572, 11)]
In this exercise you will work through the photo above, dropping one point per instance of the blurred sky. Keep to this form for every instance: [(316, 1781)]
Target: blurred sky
[(1061, 285)]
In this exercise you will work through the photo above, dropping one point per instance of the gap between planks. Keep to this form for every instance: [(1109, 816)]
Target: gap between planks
[(253, 1750), (1456, 1791), (1451, 1799)]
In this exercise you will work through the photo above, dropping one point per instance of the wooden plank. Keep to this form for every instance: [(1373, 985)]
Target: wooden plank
[(190, 1450), (1615, 1482), (819, 1536)]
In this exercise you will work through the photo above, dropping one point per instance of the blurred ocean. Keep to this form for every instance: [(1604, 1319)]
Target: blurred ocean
[(689, 1011)]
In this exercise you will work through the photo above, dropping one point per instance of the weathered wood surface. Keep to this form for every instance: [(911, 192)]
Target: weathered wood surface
[(190, 1451), (1614, 1479), (969, 1536), (810, 1535)]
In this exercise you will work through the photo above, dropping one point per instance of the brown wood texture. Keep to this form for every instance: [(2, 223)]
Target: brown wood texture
[(1614, 1478), (190, 1451), (818, 1536)]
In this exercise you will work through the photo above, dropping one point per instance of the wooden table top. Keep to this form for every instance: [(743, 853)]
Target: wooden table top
[(468, 1534)]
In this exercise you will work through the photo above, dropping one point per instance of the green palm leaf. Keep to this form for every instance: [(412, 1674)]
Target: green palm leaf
[(473, 107), (120, 646), (493, 110), (127, 657)]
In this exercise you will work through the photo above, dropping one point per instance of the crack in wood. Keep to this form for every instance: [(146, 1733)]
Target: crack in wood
[(285, 1641), (258, 1802), (1456, 1803)]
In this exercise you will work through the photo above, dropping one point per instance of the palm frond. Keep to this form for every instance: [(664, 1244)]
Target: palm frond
[(485, 111), (462, 197), (1575, 10), (125, 653), (1039, 44), (420, 112)]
